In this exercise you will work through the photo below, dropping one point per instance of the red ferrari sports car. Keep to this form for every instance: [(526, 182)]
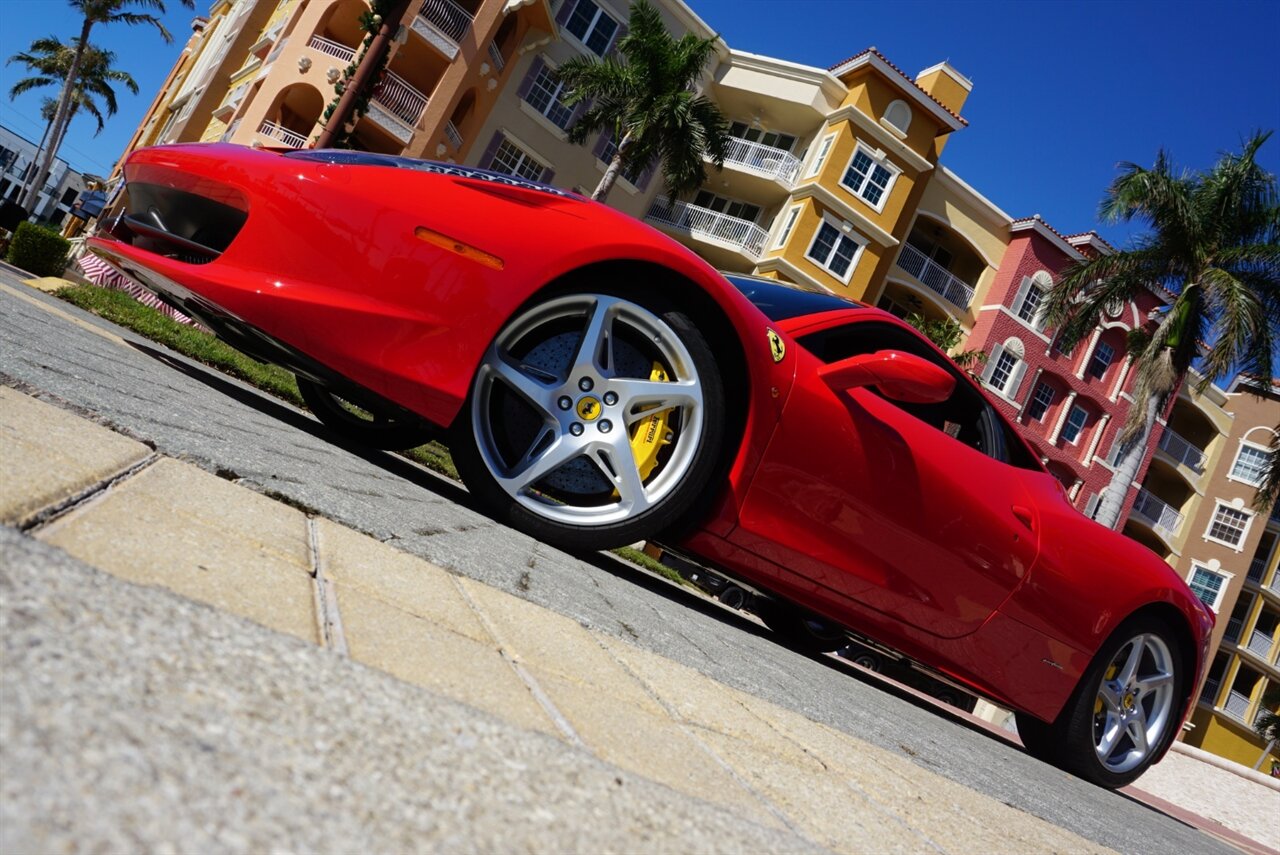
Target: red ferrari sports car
[(599, 384)]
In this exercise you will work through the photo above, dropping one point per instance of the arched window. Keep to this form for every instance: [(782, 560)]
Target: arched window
[(898, 114), (1005, 367)]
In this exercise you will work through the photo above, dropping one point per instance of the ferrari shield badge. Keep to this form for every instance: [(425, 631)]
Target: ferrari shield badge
[(777, 346)]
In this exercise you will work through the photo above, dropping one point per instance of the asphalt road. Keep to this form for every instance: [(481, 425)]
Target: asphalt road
[(194, 413)]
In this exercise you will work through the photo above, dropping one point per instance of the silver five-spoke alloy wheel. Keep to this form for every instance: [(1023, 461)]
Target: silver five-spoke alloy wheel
[(561, 396), (1135, 703)]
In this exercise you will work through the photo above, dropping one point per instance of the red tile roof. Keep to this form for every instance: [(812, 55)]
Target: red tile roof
[(905, 77)]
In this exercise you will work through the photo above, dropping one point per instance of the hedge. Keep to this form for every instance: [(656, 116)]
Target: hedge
[(38, 250)]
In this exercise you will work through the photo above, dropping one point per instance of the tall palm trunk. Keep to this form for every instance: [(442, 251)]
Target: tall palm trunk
[(60, 119), (612, 171), (1132, 452), (40, 148)]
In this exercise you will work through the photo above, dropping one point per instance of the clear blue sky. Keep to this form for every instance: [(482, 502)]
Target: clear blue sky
[(1062, 90)]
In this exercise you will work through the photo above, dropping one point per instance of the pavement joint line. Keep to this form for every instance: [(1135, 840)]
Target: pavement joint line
[(11, 382), (46, 519), (680, 723), (544, 700), (326, 596), (66, 316)]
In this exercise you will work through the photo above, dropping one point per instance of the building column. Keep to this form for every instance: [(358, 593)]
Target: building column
[(1062, 418), (1075, 489), (1097, 438), (1088, 352), (1034, 380), (1123, 378)]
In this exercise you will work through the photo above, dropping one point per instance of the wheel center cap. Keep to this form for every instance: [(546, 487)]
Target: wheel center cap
[(588, 408)]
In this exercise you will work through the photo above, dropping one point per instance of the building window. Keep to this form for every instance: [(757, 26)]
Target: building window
[(1207, 585), (634, 174), (592, 26), (898, 114), (1005, 367), (1103, 354), (1003, 371), (728, 207), (513, 160), (1251, 464), (869, 177), (824, 149), (544, 96), (1075, 424), (1040, 401), (773, 139), (834, 251), (787, 225), (1026, 305), (69, 196), (1228, 526)]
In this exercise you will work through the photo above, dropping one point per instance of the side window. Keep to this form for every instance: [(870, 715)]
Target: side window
[(966, 416)]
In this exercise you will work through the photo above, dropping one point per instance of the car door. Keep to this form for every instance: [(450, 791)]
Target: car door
[(914, 511)]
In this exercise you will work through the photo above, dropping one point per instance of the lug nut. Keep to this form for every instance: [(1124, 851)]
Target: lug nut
[(610, 398), (585, 384), (576, 429), (606, 426), (565, 402)]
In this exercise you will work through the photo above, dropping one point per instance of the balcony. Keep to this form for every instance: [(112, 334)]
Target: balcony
[(396, 106), (1158, 515), (1209, 693), (284, 135), (231, 103), (1232, 632), (495, 58), (765, 160), (443, 24), (1260, 644), (739, 236), (1237, 706), (1257, 567), (1182, 452), (934, 277), (328, 46), (455, 138)]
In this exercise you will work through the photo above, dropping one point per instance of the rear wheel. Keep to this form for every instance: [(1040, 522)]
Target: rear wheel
[(593, 420), (386, 429), (1124, 713)]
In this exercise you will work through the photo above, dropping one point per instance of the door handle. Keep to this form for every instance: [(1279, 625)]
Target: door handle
[(1024, 516)]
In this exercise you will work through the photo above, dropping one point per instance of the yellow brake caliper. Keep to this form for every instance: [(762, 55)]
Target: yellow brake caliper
[(1110, 675), (649, 435)]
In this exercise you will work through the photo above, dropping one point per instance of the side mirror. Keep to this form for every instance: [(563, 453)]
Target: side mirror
[(899, 376)]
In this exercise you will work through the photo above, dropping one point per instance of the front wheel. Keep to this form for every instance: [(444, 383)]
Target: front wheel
[(593, 420), (1124, 713)]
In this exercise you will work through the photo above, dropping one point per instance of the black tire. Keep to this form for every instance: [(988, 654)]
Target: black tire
[(392, 431), (516, 416), (867, 659), (799, 629), (1142, 709)]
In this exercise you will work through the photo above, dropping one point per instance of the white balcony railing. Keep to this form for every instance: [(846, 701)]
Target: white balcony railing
[(451, 131), (496, 58), (1210, 691), (332, 48), (763, 160), (447, 17), (934, 276), (290, 138), (706, 224), (1236, 706), (1182, 451), (1156, 513), (396, 95), (1260, 644)]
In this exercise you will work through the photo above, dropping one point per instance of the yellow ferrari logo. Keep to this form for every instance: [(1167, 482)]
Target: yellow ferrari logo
[(588, 409), (776, 345)]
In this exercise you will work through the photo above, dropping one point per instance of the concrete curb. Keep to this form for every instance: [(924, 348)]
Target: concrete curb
[(1226, 765)]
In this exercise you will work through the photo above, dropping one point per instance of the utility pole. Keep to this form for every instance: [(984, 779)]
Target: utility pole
[(363, 77)]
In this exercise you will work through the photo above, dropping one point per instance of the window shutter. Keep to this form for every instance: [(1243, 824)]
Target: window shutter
[(566, 9), (991, 362), (618, 36), (601, 145), (486, 160), (535, 68), (578, 110), (1021, 294), (645, 177), (547, 174), (1016, 380)]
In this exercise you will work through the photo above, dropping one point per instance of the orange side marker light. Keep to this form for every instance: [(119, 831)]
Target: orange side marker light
[(465, 250)]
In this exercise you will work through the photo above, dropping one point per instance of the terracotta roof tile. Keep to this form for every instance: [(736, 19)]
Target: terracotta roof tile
[(905, 77)]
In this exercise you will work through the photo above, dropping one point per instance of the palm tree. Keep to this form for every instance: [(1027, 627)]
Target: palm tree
[(647, 101), (93, 12), (50, 60), (1214, 243)]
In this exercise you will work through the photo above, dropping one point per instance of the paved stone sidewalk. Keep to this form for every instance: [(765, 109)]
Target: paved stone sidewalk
[(115, 505)]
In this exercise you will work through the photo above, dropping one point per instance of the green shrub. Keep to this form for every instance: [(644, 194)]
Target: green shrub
[(38, 250)]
